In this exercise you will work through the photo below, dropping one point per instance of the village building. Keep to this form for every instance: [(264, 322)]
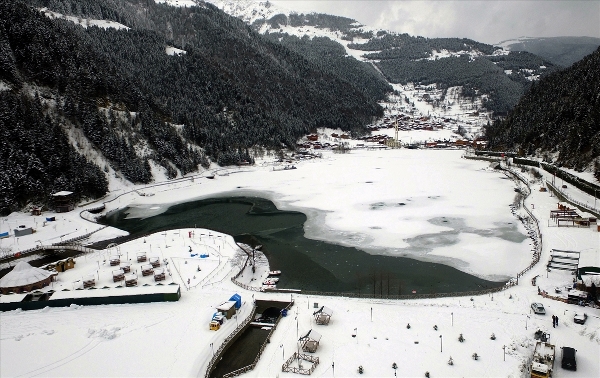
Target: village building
[(63, 201), (25, 278)]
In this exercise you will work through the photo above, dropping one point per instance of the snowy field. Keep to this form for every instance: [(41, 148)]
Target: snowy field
[(348, 198)]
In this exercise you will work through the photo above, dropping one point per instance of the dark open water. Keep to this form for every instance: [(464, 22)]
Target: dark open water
[(306, 264)]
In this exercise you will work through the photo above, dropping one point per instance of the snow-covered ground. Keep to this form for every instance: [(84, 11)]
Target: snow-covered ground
[(85, 22), (173, 339)]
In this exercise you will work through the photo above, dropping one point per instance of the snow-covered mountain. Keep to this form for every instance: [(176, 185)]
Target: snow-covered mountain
[(250, 11), (562, 51)]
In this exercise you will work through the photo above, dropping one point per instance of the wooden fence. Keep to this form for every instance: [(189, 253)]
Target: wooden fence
[(532, 227), (300, 370)]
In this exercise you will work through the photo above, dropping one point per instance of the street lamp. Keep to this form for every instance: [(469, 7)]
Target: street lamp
[(526, 321), (452, 315), (213, 350), (282, 352), (440, 343), (504, 349)]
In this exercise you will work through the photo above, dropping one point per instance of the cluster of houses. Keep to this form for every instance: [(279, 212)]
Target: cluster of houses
[(312, 142), (408, 123), (381, 140)]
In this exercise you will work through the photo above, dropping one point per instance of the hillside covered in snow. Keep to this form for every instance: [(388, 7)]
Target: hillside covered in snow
[(134, 109)]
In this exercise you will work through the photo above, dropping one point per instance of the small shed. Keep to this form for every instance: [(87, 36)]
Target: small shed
[(89, 281), (237, 299), (147, 270), (310, 341), (118, 275), (24, 277), (159, 274), (23, 231), (227, 308), (323, 315), (115, 260), (67, 264), (131, 279), (154, 261)]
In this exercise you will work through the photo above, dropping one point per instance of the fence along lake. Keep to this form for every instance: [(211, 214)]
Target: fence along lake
[(307, 264)]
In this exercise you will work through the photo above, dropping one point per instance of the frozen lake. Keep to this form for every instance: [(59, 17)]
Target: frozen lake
[(422, 206), (308, 264)]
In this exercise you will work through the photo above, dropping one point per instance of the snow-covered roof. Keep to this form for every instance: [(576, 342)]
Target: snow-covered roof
[(24, 274), (62, 193), (312, 335), (325, 310), (226, 306), (539, 367)]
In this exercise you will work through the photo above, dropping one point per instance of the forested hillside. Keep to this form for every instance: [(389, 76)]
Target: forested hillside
[(331, 57), (229, 94), (560, 114), (499, 76), (477, 67)]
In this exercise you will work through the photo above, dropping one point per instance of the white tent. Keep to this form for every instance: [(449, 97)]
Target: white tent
[(24, 274)]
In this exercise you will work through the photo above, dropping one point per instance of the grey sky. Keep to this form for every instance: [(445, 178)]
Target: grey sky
[(489, 21)]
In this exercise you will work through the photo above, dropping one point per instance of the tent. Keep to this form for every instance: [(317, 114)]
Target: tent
[(237, 299), (25, 277)]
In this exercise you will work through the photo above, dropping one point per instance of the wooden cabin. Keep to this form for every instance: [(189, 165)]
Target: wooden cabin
[(118, 275), (130, 279), (89, 281), (67, 264), (115, 260), (126, 267), (155, 262), (159, 274), (147, 270)]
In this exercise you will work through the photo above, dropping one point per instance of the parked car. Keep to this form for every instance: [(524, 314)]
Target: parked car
[(538, 308), (580, 318), (568, 358)]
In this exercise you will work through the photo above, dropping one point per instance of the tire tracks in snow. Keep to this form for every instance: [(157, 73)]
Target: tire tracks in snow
[(65, 360)]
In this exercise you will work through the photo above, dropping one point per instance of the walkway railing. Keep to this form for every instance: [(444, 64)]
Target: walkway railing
[(240, 371), (573, 201), (217, 356), (531, 223), (65, 244)]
